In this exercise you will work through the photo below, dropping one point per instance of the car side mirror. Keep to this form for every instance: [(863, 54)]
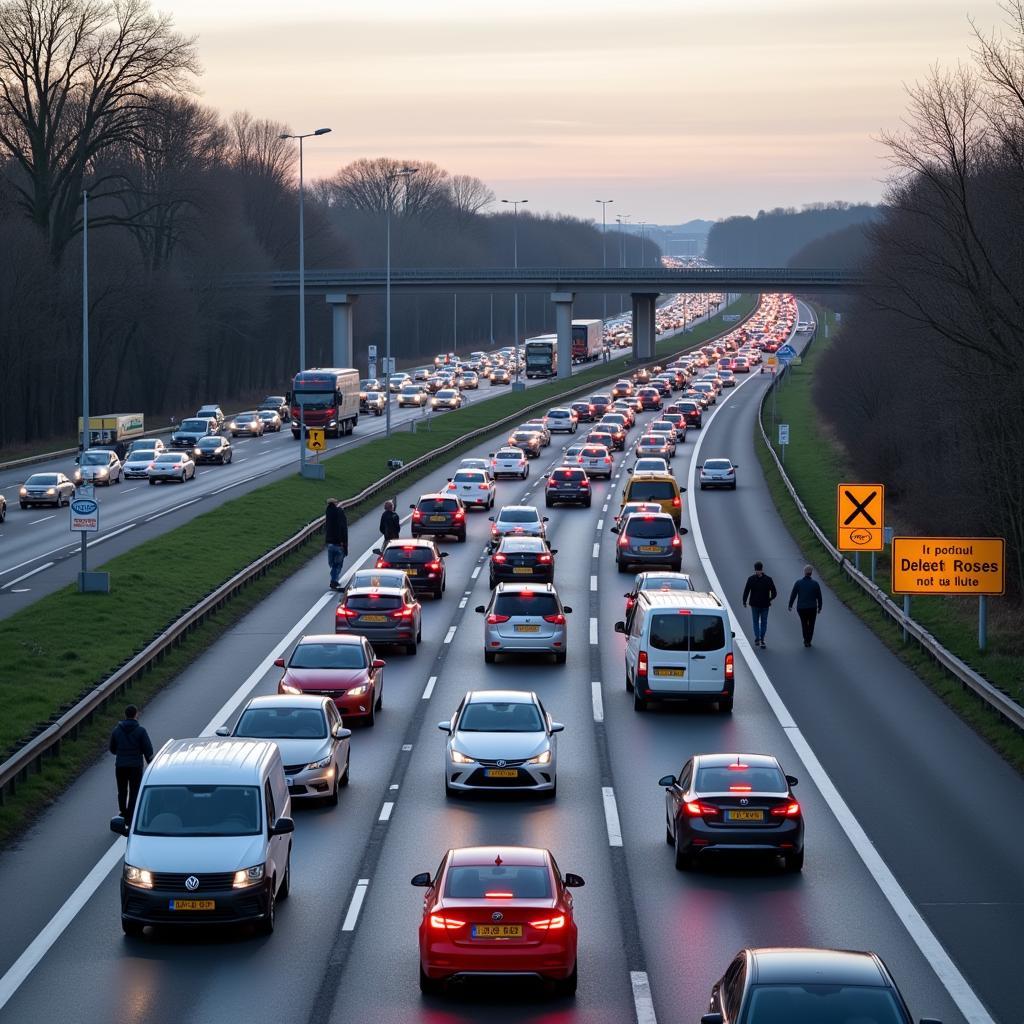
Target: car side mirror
[(377, 551), (411, 506), (444, 554), (490, 519), (554, 551), (667, 780), (119, 825), (490, 455), (422, 880), (566, 610), (614, 529), (735, 465), (683, 531), (283, 827), (711, 1018), (378, 663), (545, 519), (572, 881), (279, 662), (620, 626), (480, 609), (557, 727), (224, 731), (682, 490), (792, 780), (445, 726)]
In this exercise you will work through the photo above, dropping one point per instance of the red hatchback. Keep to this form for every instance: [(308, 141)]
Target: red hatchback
[(343, 668), (494, 910)]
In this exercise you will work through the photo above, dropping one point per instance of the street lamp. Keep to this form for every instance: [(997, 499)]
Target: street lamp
[(515, 204), (643, 259), (406, 173), (302, 293), (623, 221), (604, 249)]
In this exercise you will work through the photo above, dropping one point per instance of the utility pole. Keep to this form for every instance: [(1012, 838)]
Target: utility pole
[(604, 251)]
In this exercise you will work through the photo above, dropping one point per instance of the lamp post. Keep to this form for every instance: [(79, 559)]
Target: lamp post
[(643, 240), (604, 251), (623, 221), (302, 295), (406, 173), (515, 204)]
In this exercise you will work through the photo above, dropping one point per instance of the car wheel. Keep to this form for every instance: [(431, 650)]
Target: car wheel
[(266, 925), (380, 698), (567, 986), (639, 704), (152, 483), (725, 705), (133, 929), (702, 487), (548, 502), (794, 861), (629, 684), (332, 798), (371, 719), (410, 648), (684, 859), (620, 567), (429, 986), (669, 838), (347, 773), (587, 503), (733, 488), (677, 566), (489, 657), (286, 882), (560, 657), (461, 538), (3, 513)]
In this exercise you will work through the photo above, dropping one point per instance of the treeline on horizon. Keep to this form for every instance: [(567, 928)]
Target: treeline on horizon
[(97, 97)]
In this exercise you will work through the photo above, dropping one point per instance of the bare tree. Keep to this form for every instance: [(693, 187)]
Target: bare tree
[(470, 195)]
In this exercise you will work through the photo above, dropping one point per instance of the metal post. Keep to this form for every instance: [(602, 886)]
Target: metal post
[(906, 614), (604, 252), (302, 316), (982, 622), (455, 321), (85, 359), (492, 319), (856, 560), (874, 565), (515, 204)]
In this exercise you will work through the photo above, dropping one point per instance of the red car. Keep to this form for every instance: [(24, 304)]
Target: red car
[(650, 398), (342, 667), (495, 910)]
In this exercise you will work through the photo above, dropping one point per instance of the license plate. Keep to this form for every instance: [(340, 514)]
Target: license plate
[(192, 904), (497, 931), (649, 547), (527, 629), (412, 572), (522, 570), (676, 672), (501, 773), (437, 519), (373, 618), (744, 815)]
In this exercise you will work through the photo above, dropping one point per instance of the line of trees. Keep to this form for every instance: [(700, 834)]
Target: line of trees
[(922, 383), (98, 95)]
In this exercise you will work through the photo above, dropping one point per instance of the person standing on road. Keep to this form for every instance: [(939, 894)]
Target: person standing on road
[(807, 595), (390, 524), (759, 593), (336, 537), (133, 750)]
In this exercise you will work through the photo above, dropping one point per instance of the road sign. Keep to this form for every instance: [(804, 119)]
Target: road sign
[(786, 352), (85, 515), (783, 433), (85, 491), (389, 366), (316, 439), (730, 318), (949, 565), (371, 353), (771, 360), (860, 517)]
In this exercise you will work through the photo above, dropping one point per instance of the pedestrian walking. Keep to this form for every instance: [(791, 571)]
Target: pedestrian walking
[(390, 524), (806, 594), (759, 593), (133, 750), (336, 537)]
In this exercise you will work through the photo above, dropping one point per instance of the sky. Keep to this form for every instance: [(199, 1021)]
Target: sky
[(674, 109)]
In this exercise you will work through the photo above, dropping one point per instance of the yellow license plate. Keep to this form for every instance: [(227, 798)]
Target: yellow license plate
[(437, 519), (373, 618), (193, 904), (649, 547), (497, 931), (522, 570), (501, 773), (744, 815), (669, 671), (527, 629)]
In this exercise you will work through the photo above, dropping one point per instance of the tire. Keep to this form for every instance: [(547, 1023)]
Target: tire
[(152, 483), (419, 635), (266, 925), (489, 657), (702, 487), (550, 794), (461, 538), (677, 566), (560, 657), (587, 503), (669, 838), (684, 860), (639, 704), (794, 862), (619, 567), (733, 488), (548, 503), (492, 582), (380, 699), (133, 929), (286, 882), (725, 705), (429, 986), (3, 513), (629, 684), (371, 719), (411, 648), (567, 986), (332, 797), (347, 773)]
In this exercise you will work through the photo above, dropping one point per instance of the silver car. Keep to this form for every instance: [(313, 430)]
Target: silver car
[(172, 466), (595, 460), (648, 539), (718, 473), (527, 618), (247, 423), (517, 520), (98, 466), (308, 730), (501, 740), (140, 455), (654, 444), (649, 464)]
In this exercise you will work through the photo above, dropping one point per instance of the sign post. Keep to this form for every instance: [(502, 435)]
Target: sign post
[(85, 519), (371, 358), (316, 442), (783, 439), (860, 517)]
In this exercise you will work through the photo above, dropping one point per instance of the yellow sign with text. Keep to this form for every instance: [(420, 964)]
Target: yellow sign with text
[(860, 517), (316, 439), (949, 565)]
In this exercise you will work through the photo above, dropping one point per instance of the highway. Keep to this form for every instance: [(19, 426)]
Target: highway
[(913, 828)]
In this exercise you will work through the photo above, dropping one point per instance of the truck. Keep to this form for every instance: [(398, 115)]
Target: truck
[(587, 340), (115, 431), (542, 356), (325, 397)]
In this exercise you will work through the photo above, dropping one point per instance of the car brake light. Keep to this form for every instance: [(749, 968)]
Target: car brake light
[(460, 514), (737, 767), (493, 619), (434, 566), (729, 668), (500, 894), (786, 810), (676, 542), (623, 541), (383, 563), (403, 613), (676, 503), (499, 558), (482, 487), (443, 923), (417, 513), (494, 531), (549, 924), (544, 559), (558, 619), (346, 613), (696, 809), (608, 460), (584, 483), (641, 666), (739, 788)]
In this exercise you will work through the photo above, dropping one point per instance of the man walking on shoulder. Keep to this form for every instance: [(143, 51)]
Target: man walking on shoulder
[(133, 750), (759, 593), (336, 538), (807, 595), (390, 524)]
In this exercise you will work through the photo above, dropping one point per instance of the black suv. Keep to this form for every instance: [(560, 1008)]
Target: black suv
[(523, 558), (420, 560), (567, 485), (442, 515), (693, 412)]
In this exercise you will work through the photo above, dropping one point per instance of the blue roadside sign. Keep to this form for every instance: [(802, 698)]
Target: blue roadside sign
[(786, 352)]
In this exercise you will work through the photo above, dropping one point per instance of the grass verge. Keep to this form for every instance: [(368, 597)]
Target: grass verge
[(815, 463)]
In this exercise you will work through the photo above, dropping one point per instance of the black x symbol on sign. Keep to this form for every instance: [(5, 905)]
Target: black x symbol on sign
[(860, 508)]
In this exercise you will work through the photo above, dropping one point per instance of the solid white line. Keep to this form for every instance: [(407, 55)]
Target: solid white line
[(593, 631), (128, 490), (611, 816), (407, 746), (349, 924), (237, 483), (597, 550), (924, 938), (593, 583), (385, 811), (429, 688), (450, 634), (462, 603), (173, 508), (476, 571), (595, 698), (43, 520), (25, 577), (107, 536), (642, 1001)]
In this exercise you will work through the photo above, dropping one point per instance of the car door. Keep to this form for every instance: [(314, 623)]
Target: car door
[(277, 846), (340, 747), (674, 793), (707, 650)]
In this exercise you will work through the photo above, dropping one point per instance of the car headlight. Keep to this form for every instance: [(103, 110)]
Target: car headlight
[(23, 491), (103, 471), (322, 763), (51, 490), (290, 688), (196, 453), (248, 876), (359, 691), (139, 877), (232, 425), (543, 758), (459, 758)]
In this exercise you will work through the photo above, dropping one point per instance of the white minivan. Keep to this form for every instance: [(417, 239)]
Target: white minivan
[(211, 839), (679, 647)]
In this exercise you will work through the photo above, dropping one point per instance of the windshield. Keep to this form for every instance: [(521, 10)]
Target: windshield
[(518, 515), (822, 1004), (508, 881), (500, 716), (245, 417), (199, 811), (42, 480), (209, 443), (192, 425), (317, 400), (328, 655), (283, 724), (95, 459), (413, 390)]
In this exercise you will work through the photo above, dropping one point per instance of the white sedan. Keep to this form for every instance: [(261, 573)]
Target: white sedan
[(474, 486), (510, 462), (718, 473), (596, 460), (171, 466)]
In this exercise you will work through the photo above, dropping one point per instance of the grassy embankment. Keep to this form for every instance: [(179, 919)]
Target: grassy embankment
[(816, 462), (50, 651)]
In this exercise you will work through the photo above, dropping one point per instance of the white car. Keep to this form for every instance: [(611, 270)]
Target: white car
[(171, 466), (98, 466), (563, 420), (510, 462), (596, 460), (501, 740), (484, 464), (474, 486), (718, 473), (649, 464)]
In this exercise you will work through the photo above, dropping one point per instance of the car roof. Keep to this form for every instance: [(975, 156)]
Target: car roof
[(505, 696), (522, 588), (470, 855), (411, 542), (653, 474), (695, 600), (286, 700), (775, 966), (382, 574), (189, 761), (330, 638)]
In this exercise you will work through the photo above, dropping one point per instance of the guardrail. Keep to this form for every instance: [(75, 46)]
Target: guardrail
[(48, 742), (1008, 708)]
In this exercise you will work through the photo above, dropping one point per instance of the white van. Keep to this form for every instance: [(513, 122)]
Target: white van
[(679, 647), (211, 840)]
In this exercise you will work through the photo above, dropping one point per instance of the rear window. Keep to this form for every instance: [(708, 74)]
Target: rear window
[(436, 505), (498, 881), (518, 515), (594, 453), (569, 474), (170, 457), (671, 631), (395, 553), (656, 526), (510, 453), (517, 545), (666, 583), (526, 603), (469, 478), (760, 779), (718, 464), (652, 490), (373, 602), (558, 414)]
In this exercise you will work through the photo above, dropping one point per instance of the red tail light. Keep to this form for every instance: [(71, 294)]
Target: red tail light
[(544, 559), (383, 563), (607, 460), (584, 483), (499, 558), (623, 541), (493, 619), (730, 668), (696, 809), (417, 515), (549, 924), (786, 810), (442, 923), (460, 514), (345, 613), (494, 531), (676, 542), (641, 666), (558, 619), (434, 566), (676, 503), (403, 613)]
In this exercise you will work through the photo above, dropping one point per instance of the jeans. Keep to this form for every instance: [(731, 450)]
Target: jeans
[(128, 781), (807, 617), (336, 560), (760, 619)]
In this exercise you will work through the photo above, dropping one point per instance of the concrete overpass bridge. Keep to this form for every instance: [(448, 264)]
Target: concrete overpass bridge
[(341, 289)]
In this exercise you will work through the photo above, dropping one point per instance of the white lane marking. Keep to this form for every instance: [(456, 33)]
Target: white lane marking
[(128, 490), (593, 631), (596, 700), (462, 603), (593, 583), (173, 508), (924, 938), (597, 550), (394, 785), (349, 924), (406, 747), (642, 1001), (43, 520), (429, 688), (29, 561), (476, 571), (238, 483), (611, 816), (239, 460), (385, 811), (604, 507), (600, 524), (25, 576), (449, 636), (107, 536)]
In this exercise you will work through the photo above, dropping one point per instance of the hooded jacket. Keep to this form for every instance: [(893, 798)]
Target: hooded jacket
[(131, 744)]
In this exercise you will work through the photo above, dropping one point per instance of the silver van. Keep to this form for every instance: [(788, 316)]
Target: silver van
[(679, 647), (211, 839)]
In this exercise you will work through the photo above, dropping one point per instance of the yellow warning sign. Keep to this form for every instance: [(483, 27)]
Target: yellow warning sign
[(948, 565), (860, 517), (316, 439)]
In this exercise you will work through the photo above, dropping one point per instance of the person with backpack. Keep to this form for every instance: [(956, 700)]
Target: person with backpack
[(133, 750), (759, 593), (390, 524), (807, 595)]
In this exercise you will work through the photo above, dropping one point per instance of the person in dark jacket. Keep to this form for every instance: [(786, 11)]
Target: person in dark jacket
[(133, 750), (336, 538), (759, 593), (807, 595), (390, 524)]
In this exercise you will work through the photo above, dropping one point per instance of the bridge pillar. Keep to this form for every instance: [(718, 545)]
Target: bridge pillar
[(563, 328), (341, 314), (644, 304)]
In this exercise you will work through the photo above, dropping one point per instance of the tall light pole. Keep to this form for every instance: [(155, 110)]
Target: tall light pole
[(302, 289), (643, 239), (622, 220), (515, 204), (406, 173), (604, 249)]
